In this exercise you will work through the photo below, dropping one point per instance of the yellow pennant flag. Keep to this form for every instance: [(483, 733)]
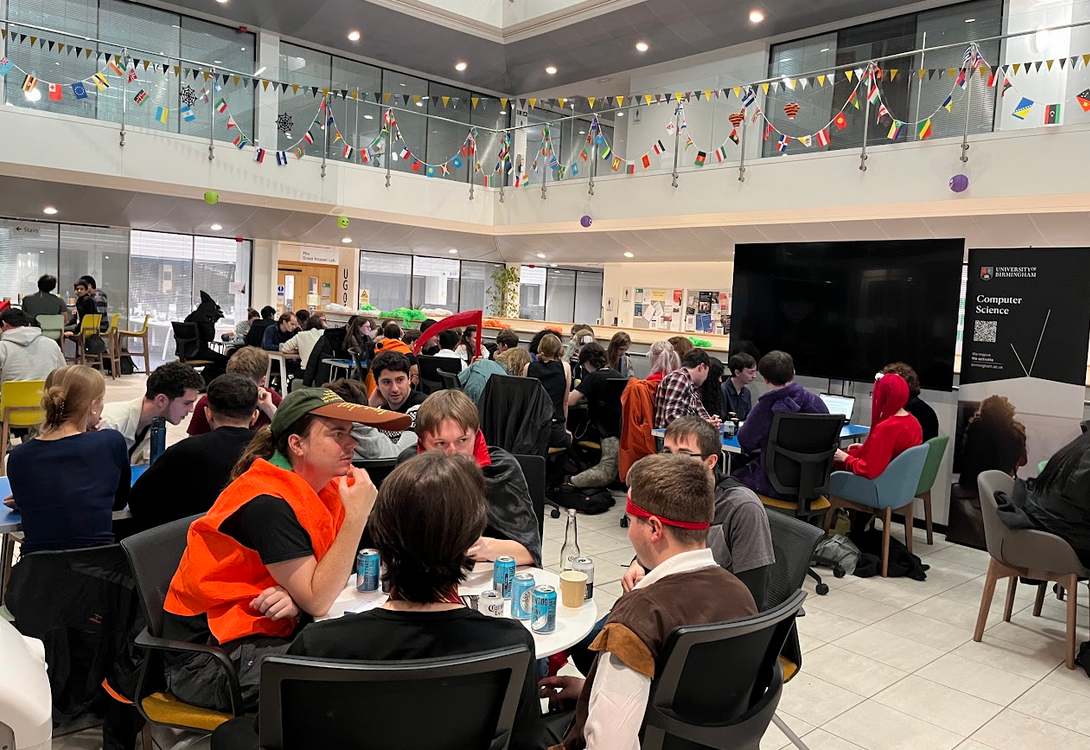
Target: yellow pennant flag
[(952, 72), (355, 94), (325, 92), (33, 40), (265, 85), (738, 92), (893, 74), (848, 74), (475, 100), (921, 73), (620, 101), (533, 103), (561, 102), (647, 99), (678, 95), (87, 53), (791, 83), (60, 46), (821, 81), (764, 86), (1085, 60), (386, 97), (446, 101), (590, 101), (416, 98), (207, 75), (145, 65), (1049, 63), (295, 88), (503, 103), (1016, 66), (707, 93), (177, 71)]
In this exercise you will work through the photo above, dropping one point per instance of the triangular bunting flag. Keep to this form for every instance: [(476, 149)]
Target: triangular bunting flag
[(893, 74), (475, 100), (848, 74), (821, 81)]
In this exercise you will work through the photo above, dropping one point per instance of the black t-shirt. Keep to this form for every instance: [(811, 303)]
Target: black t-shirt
[(604, 413), (552, 377), (386, 635), (925, 415)]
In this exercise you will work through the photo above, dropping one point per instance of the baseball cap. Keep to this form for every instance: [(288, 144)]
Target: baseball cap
[(325, 403)]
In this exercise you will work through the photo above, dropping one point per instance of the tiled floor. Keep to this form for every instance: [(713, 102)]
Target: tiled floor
[(889, 664)]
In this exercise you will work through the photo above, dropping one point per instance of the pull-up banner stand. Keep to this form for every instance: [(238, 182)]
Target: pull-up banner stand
[(1027, 324)]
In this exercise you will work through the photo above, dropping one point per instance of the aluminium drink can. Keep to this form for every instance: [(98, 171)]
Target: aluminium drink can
[(586, 565), (503, 575), (544, 614), (522, 596), (367, 570), (490, 603)]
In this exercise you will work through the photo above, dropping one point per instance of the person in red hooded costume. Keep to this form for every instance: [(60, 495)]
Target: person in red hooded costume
[(892, 430)]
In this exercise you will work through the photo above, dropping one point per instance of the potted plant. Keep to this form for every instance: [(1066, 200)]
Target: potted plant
[(503, 295)]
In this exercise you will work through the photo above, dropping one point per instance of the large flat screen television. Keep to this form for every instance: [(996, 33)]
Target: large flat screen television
[(844, 310)]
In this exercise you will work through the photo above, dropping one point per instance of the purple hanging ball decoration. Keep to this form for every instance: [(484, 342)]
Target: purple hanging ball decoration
[(586, 221), (959, 183)]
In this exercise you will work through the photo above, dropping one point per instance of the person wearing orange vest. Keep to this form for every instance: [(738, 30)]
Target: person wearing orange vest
[(277, 545)]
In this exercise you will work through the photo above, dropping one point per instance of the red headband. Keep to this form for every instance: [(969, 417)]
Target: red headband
[(634, 510)]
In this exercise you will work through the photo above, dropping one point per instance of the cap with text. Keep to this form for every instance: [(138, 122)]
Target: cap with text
[(325, 403)]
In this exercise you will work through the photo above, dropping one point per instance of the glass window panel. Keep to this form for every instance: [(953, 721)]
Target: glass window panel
[(129, 25), (161, 280), (532, 293), (78, 17), (306, 68), (28, 249), (435, 283), (445, 139), (816, 103), (226, 48), (491, 114), (217, 263), (388, 278), (414, 128), (101, 253), (359, 122), (588, 297), (560, 295), (476, 281)]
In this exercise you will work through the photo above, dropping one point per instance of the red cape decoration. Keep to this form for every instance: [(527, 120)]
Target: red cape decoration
[(468, 318)]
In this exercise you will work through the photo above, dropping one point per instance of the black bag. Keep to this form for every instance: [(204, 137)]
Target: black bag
[(589, 500), (902, 563)]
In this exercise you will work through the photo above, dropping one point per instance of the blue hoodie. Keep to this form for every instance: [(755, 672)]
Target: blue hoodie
[(753, 436)]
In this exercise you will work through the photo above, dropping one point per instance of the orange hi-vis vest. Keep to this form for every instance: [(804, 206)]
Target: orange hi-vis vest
[(220, 577)]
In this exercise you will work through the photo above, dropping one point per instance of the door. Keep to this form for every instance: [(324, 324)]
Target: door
[(306, 286)]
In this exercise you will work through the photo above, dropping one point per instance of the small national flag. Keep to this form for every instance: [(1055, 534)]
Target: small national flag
[(132, 75), (5, 66), (187, 114), (805, 140), (631, 168), (365, 157), (721, 154), (733, 135), (948, 103), (782, 145), (748, 97), (308, 137), (671, 127), (231, 122), (457, 162), (574, 169), (659, 148), (768, 130), (701, 157), (605, 152), (100, 81), (30, 83), (416, 165), (347, 154), (162, 114), (841, 121), (852, 99), (282, 158), (616, 164), (222, 106), (79, 90), (991, 78), (646, 161), (240, 142), (140, 97), (297, 149), (895, 130), (962, 79), (56, 92), (882, 112), (259, 157), (430, 171), (923, 129), (486, 181), (1006, 85), (1023, 108), (1084, 100), (823, 137), (874, 94), (1052, 114), (115, 68)]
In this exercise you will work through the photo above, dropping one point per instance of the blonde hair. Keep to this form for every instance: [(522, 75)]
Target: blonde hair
[(250, 361), (663, 358), (443, 405), (69, 394), (514, 360), (549, 348)]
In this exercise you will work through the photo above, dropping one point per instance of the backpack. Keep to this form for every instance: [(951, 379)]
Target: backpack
[(588, 500), (838, 553)]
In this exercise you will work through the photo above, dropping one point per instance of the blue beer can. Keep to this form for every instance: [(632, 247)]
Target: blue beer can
[(367, 570), (544, 613), (503, 575), (522, 596)]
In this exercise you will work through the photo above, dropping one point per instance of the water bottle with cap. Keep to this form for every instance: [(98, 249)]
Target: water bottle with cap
[(158, 438)]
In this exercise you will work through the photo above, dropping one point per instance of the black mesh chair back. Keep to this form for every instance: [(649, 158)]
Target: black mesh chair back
[(154, 556), (741, 660), (449, 381), (533, 468), (794, 542), (429, 368), (316, 704), (359, 372), (187, 342), (799, 456), (377, 468)]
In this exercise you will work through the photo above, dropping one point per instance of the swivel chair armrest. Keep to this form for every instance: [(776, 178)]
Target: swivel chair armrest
[(155, 643)]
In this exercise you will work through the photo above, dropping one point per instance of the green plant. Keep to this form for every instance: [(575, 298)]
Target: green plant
[(503, 295)]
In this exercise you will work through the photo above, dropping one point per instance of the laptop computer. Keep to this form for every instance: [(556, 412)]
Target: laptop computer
[(839, 405)]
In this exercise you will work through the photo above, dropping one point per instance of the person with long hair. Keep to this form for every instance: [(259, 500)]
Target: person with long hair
[(278, 544), (617, 353), (711, 390), (682, 345), (664, 360), (1060, 501), (514, 360), (467, 346), (916, 406), (993, 439), (892, 430), (555, 376), (92, 466), (535, 342)]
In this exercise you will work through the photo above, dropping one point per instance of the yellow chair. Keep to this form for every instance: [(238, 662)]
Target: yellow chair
[(88, 329), (142, 334), (112, 347), (21, 406)]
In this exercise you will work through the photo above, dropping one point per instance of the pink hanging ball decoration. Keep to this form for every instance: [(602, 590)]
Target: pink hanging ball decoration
[(959, 183), (586, 221)]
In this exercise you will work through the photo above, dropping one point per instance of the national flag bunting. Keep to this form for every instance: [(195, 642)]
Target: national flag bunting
[(895, 130), (308, 137), (1052, 114), (748, 96), (297, 149), (5, 66), (874, 94), (631, 168), (853, 99), (733, 135), (231, 122), (79, 90), (56, 92), (616, 164), (140, 97), (841, 121), (1084, 100), (1023, 108), (782, 145), (701, 157), (100, 81), (923, 129), (457, 162), (823, 137), (961, 81), (222, 106), (187, 114), (259, 157), (281, 158), (721, 154), (659, 148), (132, 75), (115, 68), (882, 112), (768, 130), (162, 114), (646, 161), (1006, 85), (605, 152), (948, 103), (239, 141), (30, 83), (348, 150)]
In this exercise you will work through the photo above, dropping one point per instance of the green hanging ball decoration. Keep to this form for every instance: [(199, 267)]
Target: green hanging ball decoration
[(211, 197), (343, 222)]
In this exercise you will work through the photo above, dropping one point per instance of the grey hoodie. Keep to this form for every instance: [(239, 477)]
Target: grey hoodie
[(26, 355)]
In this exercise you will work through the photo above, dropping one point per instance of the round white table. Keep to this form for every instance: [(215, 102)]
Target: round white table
[(572, 625)]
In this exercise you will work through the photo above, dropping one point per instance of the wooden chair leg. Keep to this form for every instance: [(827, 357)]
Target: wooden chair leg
[(1072, 584), (909, 525), (147, 354), (887, 521), (926, 497), (986, 599), (1040, 600), (1008, 606), (827, 519)]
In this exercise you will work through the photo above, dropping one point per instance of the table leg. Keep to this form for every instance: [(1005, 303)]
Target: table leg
[(283, 376), (7, 552)]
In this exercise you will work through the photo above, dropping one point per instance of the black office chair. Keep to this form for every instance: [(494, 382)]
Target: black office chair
[(154, 556), (449, 381), (359, 371), (798, 460), (533, 468), (315, 704), (741, 658), (516, 414), (429, 368), (187, 344), (377, 468)]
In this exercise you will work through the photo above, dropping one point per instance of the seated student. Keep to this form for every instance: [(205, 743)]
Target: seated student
[(679, 393), (617, 353), (85, 305), (711, 390), (252, 363), (783, 395), (536, 341), (278, 544), (278, 334), (393, 389), (190, 475), (475, 377), (1058, 503), (68, 480), (302, 316), (423, 618), (664, 360), (670, 507), (581, 335), (448, 422), (993, 440), (302, 343), (448, 340), (431, 343), (391, 342), (467, 346), (682, 345), (506, 339), (555, 377), (515, 361), (892, 430), (737, 398), (256, 335), (917, 407), (603, 413), (243, 326), (24, 353), (43, 301), (739, 537), (370, 441), (171, 393)]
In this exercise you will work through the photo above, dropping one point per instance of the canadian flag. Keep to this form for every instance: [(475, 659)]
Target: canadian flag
[(823, 137)]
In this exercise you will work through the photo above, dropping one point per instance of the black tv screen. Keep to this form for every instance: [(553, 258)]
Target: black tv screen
[(844, 310)]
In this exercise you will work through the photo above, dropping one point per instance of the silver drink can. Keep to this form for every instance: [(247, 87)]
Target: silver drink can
[(586, 565), (490, 603)]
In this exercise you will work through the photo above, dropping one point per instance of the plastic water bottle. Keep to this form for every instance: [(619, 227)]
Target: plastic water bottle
[(158, 438), (570, 551)]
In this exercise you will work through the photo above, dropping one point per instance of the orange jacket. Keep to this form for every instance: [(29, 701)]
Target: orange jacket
[(637, 419), (386, 345), (220, 577)]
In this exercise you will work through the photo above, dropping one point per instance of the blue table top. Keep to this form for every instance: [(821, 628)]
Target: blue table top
[(10, 518), (341, 362), (731, 443)]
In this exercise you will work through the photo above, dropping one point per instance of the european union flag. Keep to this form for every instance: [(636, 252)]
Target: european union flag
[(79, 90)]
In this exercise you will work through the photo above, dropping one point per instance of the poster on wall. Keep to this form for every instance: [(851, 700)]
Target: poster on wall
[(1023, 368)]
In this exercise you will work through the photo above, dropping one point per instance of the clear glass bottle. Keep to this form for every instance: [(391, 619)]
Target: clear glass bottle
[(570, 551)]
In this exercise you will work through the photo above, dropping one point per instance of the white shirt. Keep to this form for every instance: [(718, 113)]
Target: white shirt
[(124, 416), (303, 343), (450, 354), (619, 695)]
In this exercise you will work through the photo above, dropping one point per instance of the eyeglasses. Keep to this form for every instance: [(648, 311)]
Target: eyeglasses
[(697, 456)]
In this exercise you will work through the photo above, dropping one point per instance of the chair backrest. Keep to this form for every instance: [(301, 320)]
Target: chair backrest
[(449, 381), (144, 328), (317, 703), (508, 407), (611, 397), (896, 486), (187, 343), (936, 448), (359, 372), (741, 659), (21, 401), (113, 324), (429, 368), (799, 456), (52, 326), (533, 468), (995, 531), (793, 542), (154, 556), (377, 468), (89, 324)]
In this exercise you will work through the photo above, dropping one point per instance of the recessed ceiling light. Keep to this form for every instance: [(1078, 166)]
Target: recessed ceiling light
[(826, 49), (218, 62), (642, 46), (420, 104), (503, 111), (969, 20), (243, 49), (353, 36), (629, 255), (620, 114), (49, 211), (756, 16), (553, 265), (460, 66), (541, 255), (452, 251), (582, 132), (551, 70), (221, 2), (216, 227), (346, 240), (402, 84)]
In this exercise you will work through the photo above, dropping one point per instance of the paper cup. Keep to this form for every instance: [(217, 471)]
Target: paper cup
[(573, 588)]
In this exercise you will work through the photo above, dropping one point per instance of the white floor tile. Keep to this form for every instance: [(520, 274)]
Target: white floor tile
[(1021, 660), (1011, 730), (924, 630), (814, 700), (1067, 709), (851, 671), (876, 727), (819, 739), (960, 614), (1072, 680), (774, 739), (852, 606), (888, 592), (889, 648), (939, 705), (973, 678), (825, 625), (976, 559)]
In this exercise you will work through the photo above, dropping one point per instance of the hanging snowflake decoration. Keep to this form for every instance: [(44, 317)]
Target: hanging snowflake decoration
[(188, 96), (284, 123)]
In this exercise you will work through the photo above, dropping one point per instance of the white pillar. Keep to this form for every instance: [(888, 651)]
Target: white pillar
[(268, 102)]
